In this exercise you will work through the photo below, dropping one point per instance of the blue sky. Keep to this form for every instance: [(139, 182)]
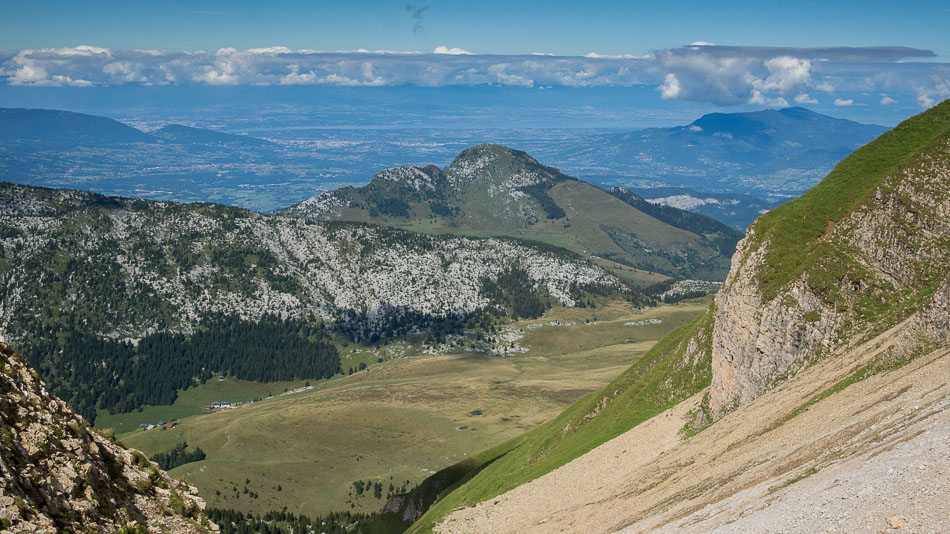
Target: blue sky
[(833, 55), (487, 26)]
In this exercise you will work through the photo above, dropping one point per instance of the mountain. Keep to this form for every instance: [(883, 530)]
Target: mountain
[(56, 127), (176, 133), (493, 190), (126, 301), (825, 349), (65, 149), (60, 476), (786, 151), (65, 128)]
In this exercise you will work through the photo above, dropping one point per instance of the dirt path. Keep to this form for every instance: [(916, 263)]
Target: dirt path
[(847, 464)]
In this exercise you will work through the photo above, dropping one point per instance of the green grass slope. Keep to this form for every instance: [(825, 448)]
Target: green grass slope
[(673, 370), (794, 230)]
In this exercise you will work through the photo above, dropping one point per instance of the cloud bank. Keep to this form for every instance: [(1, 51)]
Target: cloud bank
[(723, 75)]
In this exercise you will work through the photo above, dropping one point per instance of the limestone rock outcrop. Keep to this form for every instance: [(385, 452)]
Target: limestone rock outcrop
[(58, 475), (889, 260)]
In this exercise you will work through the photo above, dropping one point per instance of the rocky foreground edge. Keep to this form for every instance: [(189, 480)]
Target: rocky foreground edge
[(58, 475)]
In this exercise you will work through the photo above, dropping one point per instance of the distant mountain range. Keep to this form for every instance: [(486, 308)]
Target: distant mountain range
[(769, 156), (493, 190), (786, 150), (68, 128)]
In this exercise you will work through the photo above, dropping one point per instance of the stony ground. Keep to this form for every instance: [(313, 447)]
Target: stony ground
[(56, 475), (904, 487), (874, 457)]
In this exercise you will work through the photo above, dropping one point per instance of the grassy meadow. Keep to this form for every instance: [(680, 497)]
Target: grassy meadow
[(398, 421)]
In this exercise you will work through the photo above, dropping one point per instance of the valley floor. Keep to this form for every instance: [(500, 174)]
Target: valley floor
[(806, 457), (401, 420)]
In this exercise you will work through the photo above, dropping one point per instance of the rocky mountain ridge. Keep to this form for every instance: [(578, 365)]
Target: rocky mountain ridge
[(187, 261), (60, 476), (86, 278), (494, 190)]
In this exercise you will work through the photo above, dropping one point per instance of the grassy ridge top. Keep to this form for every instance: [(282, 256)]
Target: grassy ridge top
[(665, 376), (793, 229)]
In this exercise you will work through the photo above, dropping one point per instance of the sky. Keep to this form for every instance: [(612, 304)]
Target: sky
[(484, 26), (727, 53)]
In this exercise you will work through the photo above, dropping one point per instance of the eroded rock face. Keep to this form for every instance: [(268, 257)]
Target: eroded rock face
[(756, 343), (900, 244), (56, 475)]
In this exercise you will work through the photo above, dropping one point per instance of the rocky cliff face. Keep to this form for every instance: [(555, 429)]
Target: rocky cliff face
[(59, 476), (883, 260)]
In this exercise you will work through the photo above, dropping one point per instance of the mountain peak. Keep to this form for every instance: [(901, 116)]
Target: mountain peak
[(496, 190), (486, 152), (498, 163)]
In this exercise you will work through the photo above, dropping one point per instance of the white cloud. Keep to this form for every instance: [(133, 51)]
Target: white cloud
[(66, 80), (786, 75), (702, 43), (125, 71), (595, 55), (840, 102), (937, 90), (442, 49), (706, 72), (886, 100), (805, 98), (27, 72), (671, 88), (503, 77), (82, 50), (294, 77), (733, 80), (759, 99), (272, 50)]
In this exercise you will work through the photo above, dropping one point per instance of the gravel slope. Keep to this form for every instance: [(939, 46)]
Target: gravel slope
[(847, 464)]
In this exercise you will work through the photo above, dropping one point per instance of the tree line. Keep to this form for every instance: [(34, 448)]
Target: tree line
[(284, 522), (91, 372), (178, 456)]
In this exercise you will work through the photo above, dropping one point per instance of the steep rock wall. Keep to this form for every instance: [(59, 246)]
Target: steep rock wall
[(888, 259)]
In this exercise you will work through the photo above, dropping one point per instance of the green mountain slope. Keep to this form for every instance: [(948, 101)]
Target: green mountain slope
[(794, 232), (493, 190), (865, 250), (675, 369)]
